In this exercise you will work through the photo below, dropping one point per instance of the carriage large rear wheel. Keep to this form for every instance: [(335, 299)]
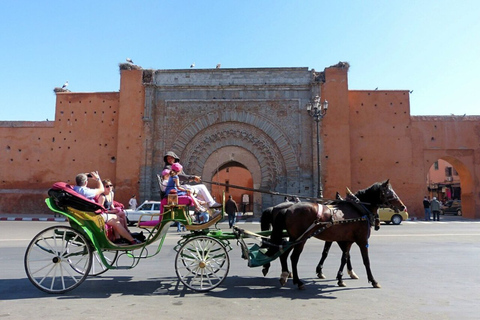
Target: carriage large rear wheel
[(58, 259), (202, 263)]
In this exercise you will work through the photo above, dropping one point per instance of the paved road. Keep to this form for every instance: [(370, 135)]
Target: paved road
[(428, 270)]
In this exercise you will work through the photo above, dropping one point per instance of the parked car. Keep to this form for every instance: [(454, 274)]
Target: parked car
[(144, 208), (452, 207), (387, 215)]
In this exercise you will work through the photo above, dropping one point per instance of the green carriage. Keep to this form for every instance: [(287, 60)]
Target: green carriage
[(60, 258)]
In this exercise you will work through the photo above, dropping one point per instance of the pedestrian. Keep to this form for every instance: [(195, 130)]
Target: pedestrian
[(426, 208), (231, 209), (435, 206), (133, 202)]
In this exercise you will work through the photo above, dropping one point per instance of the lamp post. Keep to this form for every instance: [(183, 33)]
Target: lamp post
[(318, 110)]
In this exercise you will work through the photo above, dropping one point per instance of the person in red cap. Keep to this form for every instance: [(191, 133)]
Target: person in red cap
[(174, 184)]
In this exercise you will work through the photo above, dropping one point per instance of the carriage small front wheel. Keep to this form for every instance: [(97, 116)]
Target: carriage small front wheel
[(202, 263), (58, 259)]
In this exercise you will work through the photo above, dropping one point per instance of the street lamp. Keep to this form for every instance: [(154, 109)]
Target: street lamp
[(318, 110)]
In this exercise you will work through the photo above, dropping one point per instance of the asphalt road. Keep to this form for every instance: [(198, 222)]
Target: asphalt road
[(428, 270)]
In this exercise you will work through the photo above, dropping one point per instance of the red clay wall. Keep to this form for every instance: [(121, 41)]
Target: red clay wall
[(130, 139), (35, 155), (371, 137)]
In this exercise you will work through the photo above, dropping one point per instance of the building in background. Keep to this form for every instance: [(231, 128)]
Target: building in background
[(444, 182), (254, 119)]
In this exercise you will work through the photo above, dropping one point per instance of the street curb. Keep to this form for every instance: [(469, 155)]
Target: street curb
[(61, 219), (32, 219)]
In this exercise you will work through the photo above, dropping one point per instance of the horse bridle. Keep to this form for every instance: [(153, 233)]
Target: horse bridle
[(388, 196)]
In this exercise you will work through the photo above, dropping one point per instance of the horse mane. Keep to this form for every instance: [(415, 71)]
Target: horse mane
[(367, 194)]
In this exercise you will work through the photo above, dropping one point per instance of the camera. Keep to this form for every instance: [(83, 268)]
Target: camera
[(89, 175)]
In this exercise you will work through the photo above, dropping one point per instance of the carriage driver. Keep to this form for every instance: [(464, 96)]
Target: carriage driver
[(201, 190)]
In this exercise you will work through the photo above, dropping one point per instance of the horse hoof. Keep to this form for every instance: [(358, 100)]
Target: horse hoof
[(283, 278), (376, 285), (290, 275), (341, 284), (321, 276), (301, 287), (352, 274)]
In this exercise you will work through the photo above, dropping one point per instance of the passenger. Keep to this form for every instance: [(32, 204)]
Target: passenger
[(174, 184), (200, 189), (106, 200), (111, 219), (164, 181)]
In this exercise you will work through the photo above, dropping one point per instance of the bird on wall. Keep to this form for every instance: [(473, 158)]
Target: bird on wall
[(192, 65), (65, 85), (376, 88), (129, 60), (411, 91), (218, 66)]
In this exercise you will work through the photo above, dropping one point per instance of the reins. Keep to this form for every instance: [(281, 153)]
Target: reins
[(274, 193), (313, 199)]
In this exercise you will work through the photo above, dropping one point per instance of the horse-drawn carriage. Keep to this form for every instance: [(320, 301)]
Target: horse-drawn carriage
[(60, 258)]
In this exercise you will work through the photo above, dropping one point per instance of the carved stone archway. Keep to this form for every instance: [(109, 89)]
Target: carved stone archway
[(264, 148), (227, 154)]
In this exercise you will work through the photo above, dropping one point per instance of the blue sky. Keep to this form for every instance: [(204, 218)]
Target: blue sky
[(431, 47)]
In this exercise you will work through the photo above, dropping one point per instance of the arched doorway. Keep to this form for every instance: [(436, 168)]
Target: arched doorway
[(443, 181), (457, 180), (243, 170), (235, 173)]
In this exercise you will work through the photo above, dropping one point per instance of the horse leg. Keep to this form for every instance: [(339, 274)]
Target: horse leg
[(366, 263), (345, 246), (351, 273), (283, 261), (297, 250), (326, 249)]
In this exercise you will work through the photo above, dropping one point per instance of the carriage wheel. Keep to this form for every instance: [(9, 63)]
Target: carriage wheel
[(58, 259), (202, 263), (98, 267)]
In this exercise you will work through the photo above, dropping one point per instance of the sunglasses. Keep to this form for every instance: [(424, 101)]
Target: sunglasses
[(109, 185)]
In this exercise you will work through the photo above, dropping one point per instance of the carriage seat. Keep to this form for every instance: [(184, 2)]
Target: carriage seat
[(71, 201), (182, 200), (64, 196)]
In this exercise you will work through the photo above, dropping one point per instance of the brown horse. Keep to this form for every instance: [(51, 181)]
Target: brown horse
[(342, 221), (266, 221)]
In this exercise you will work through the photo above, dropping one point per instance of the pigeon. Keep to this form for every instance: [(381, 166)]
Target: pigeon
[(218, 66), (129, 60), (65, 85), (192, 65), (411, 91), (376, 88)]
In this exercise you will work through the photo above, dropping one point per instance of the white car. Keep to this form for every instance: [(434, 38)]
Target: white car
[(148, 207)]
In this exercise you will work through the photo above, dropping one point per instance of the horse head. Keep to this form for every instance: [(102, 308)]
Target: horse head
[(390, 198)]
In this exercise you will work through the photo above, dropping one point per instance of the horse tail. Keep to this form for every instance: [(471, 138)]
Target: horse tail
[(278, 225), (266, 219)]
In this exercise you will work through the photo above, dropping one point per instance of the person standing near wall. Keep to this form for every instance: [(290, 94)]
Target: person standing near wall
[(426, 208), (133, 202), (231, 209), (435, 206)]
